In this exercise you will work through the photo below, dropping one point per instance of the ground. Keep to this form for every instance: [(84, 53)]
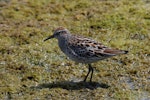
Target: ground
[(31, 69)]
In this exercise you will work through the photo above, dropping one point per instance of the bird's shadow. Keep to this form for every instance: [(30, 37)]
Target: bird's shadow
[(69, 85)]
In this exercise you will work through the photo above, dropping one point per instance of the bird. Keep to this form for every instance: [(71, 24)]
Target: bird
[(83, 50)]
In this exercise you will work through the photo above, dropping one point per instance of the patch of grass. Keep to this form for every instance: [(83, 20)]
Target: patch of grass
[(26, 61)]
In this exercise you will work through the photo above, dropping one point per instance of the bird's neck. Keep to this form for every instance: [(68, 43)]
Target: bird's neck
[(62, 43)]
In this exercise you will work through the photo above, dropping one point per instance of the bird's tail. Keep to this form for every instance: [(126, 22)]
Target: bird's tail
[(115, 52)]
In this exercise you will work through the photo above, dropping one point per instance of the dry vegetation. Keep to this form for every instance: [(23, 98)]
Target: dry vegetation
[(31, 69)]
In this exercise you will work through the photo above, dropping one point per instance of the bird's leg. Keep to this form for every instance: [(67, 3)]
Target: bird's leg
[(90, 69), (87, 74)]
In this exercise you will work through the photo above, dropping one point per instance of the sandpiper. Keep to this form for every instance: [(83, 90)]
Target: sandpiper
[(83, 50)]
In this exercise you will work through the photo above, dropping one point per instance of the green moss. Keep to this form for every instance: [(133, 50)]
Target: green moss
[(33, 69), (127, 95)]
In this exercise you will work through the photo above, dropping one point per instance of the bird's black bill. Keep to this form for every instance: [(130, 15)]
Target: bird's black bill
[(49, 38)]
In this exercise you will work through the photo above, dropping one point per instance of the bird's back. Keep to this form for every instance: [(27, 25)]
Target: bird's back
[(85, 50)]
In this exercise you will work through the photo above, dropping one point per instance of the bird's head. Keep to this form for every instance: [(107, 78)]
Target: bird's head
[(58, 33)]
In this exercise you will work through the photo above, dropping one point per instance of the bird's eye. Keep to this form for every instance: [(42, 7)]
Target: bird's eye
[(58, 33)]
